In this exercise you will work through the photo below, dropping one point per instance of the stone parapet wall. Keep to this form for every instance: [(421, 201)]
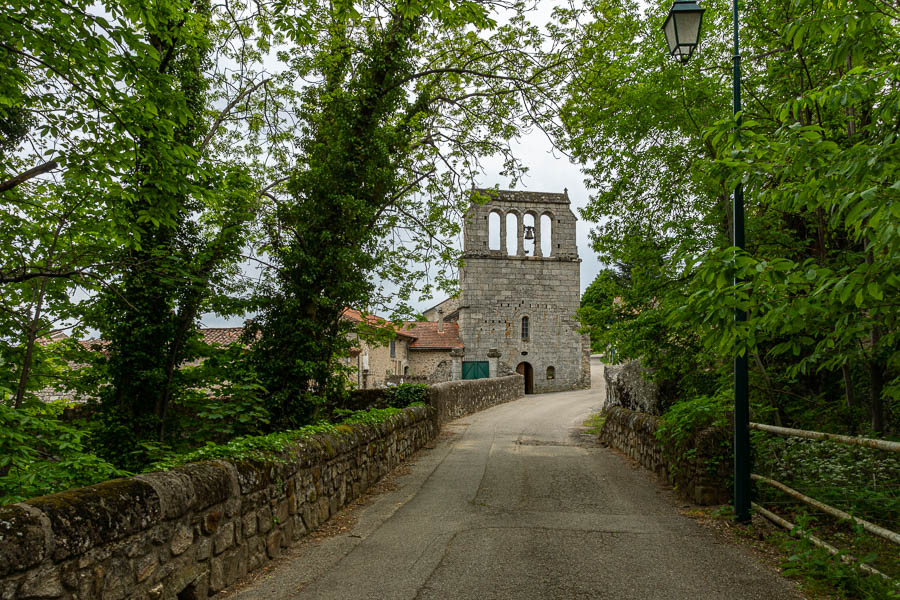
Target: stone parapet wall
[(455, 399), (189, 532), (704, 477)]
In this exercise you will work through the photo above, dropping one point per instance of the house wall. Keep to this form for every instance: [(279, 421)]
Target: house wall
[(428, 363), (498, 290), (381, 364), (448, 306)]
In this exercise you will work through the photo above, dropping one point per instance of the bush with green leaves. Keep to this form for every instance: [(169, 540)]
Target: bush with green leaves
[(270, 447), (823, 571), (862, 481), (406, 394), (40, 455)]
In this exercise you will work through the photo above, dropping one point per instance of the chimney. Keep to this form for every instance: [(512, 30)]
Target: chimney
[(440, 320)]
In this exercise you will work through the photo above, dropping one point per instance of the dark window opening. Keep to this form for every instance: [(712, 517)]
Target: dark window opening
[(393, 349), (551, 373), (524, 328)]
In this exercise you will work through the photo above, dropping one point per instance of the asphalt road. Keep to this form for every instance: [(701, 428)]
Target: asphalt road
[(517, 504)]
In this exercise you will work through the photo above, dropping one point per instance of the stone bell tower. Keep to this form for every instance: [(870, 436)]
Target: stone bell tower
[(518, 297)]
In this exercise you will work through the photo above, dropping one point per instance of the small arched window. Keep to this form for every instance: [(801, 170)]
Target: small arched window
[(524, 328), (551, 372)]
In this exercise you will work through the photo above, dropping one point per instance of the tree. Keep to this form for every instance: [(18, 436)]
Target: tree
[(404, 98), (817, 154), (143, 206)]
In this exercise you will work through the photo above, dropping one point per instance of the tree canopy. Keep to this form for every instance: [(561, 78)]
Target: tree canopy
[(817, 153)]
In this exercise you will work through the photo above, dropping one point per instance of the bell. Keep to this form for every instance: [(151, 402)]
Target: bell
[(529, 232)]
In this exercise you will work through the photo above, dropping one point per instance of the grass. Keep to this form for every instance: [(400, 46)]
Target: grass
[(595, 422)]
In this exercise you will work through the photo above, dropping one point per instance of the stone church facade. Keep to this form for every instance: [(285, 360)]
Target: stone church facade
[(515, 311), (517, 303)]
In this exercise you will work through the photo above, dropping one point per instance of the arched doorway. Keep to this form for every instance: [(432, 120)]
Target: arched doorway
[(525, 369)]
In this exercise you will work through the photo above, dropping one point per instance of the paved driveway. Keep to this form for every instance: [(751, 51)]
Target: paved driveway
[(515, 504)]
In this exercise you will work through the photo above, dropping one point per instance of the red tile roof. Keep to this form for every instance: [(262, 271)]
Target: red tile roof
[(372, 320), (357, 317), (221, 336), (427, 336), (214, 336)]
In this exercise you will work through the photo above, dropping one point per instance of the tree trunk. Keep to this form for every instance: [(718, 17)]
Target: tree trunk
[(25, 373)]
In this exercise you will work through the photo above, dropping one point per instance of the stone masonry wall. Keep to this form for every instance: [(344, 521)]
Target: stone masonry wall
[(190, 532), (703, 477), (455, 399)]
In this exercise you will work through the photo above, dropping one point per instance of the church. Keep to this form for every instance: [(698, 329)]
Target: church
[(515, 312)]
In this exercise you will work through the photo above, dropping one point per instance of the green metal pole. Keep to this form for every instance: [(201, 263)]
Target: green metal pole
[(741, 392)]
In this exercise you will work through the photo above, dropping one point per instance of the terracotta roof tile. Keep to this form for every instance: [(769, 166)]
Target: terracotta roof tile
[(373, 320), (429, 338), (221, 336)]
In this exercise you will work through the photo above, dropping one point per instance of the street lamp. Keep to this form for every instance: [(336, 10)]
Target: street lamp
[(682, 28)]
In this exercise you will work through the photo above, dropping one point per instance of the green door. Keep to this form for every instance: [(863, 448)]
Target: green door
[(475, 369)]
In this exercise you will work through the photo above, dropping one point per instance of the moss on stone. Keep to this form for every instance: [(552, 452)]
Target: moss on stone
[(22, 540), (86, 517)]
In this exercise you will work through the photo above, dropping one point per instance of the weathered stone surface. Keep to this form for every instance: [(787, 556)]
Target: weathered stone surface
[(703, 478), (145, 566), (224, 538), (627, 386), (42, 584), (204, 548), (217, 574), (273, 544), (184, 537), (23, 542), (211, 521), (212, 482), (98, 514), (248, 524), (264, 515), (9, 590), (454, 399)]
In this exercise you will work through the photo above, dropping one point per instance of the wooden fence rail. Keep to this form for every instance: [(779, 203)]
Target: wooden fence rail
[(818, 435), (830, 510), (820, 543), (834, 512)]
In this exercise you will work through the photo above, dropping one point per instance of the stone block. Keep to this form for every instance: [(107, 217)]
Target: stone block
[(98, 514), (282, 512), (204, 548), (224, 539), (264, 519), (182, 540), (217, 574), (211, 522), (273, 544), (23, 540), (145, 566), (248, 524), (42, 584)]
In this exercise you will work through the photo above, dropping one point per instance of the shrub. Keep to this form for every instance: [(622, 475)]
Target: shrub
[(39, 455)]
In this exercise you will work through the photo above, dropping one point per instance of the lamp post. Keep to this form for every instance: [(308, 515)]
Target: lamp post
[(682, 29)]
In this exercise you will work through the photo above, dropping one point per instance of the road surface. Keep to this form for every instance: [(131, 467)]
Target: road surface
[(516, 503)]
